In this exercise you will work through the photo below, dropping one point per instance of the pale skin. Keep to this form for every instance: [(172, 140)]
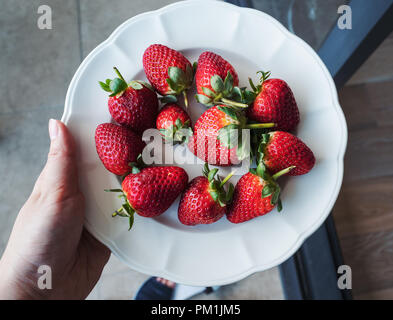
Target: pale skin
[(49, 231)]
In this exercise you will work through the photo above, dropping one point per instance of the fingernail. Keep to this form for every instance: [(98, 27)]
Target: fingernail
[(53, 129)]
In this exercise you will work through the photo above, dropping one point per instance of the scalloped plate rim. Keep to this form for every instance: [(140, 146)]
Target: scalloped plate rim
[(302, 235)]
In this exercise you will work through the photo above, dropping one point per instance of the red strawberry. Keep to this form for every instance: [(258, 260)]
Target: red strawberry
[(117, 146), (217, 81), (174, 123), (280, 150), (217, 136), (256, 194), (150, 191), (134, 105), (274, 103), (205, 200), (169, 72)]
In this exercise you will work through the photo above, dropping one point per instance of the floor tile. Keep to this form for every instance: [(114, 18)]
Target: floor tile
[(264, 285), (118, 282), (24, 145), (115, 266), (100, 18), (118, 286), (38, 64)]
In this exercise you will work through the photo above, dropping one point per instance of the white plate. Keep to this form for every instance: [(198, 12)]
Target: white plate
[(220, 253)]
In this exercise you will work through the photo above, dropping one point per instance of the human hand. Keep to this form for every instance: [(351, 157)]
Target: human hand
[(49, 231)]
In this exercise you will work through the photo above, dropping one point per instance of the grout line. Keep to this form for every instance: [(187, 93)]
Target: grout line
[(79, 21), (25, 110)]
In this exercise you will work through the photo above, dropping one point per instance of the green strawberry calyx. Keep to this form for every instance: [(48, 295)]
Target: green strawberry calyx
[(271, 186), (216, 186), (138, 165), (224, 92), (232, 134), (169, 98), (117, 86), (180, 81), (177, 132), (258, 88), (261, 149), (263, 143), (126, 210)]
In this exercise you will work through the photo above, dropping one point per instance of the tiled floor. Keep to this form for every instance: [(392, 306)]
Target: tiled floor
[(38, 66), (120, 282)]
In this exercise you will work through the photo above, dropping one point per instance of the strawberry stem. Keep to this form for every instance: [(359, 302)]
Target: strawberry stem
[(264, 76), (119, 74), (227, 178), (260, 125), (282, 172), (252, 85), (130, 221), (218, 97), (185, 98), (234, 103), (113, 190)]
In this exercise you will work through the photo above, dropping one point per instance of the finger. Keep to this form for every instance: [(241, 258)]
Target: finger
[(59, 176)]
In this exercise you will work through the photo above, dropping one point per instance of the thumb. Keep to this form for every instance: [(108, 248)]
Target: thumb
[(59, 176)]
